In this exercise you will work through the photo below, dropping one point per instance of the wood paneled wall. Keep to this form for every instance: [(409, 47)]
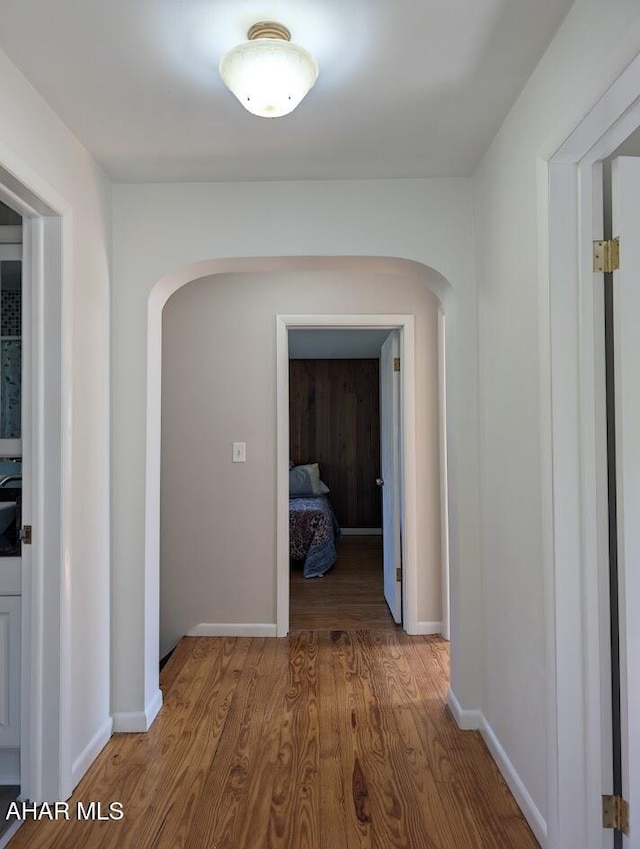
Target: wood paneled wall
[(334, 419)]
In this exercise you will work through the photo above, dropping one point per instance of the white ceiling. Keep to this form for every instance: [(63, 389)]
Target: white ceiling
[(407, 88), (336, 344)]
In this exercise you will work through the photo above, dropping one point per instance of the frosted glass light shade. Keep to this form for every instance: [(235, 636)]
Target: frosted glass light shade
[(269, 76)]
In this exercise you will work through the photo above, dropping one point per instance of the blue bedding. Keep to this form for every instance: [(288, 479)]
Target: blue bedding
[(313, 529)]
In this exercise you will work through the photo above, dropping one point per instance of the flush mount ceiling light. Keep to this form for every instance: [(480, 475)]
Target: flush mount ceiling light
[(268, 74)]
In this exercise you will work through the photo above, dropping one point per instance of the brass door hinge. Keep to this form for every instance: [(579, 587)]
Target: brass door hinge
[(615, 813), (396, 363), (25, 535), (606, 255), (399, 573)]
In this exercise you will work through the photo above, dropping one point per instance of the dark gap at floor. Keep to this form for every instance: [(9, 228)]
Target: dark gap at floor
[(165, 659), (8, 794)]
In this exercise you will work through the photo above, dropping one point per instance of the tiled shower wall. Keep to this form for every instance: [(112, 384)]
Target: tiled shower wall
[(10, 363), (10, 312)]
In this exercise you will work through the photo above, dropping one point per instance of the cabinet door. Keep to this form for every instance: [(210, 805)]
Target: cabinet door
[(9, 671)]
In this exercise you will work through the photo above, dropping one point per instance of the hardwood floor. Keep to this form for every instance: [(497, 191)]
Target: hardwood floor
[(322, 740), (349, 596)]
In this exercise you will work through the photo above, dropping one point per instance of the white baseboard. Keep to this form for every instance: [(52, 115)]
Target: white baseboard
[(152, 708), (9, 767), (427, 628), (466, 720), (129, 722), (91, 751), (521, 794), (233, 629), (361, 532), (132, 722), (474, 720)]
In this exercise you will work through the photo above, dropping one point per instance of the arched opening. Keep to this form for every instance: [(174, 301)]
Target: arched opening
[(394, 268)]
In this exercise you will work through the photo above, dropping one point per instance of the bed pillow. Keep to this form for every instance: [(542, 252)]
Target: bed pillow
[(305, 480)]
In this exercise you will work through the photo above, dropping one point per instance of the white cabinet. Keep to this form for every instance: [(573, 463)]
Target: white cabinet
[(10, 671)]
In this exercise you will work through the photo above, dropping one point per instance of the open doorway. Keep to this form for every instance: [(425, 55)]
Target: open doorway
[(10, 506), (410, 528), (338, 442), (35, 721)]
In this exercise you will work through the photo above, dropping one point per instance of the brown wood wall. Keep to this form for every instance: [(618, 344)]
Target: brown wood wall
[(334, 419)]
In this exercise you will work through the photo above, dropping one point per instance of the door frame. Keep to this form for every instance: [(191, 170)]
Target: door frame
[(573, 469), (390, 472), (45, 735), (406, 325), (444, 473)]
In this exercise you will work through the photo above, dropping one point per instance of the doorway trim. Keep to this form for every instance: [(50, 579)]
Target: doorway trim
[(574, 464), (444, 473), (404, 323), (45, 735)]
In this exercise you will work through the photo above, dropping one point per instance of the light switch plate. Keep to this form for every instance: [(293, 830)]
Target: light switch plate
[(239, 452)]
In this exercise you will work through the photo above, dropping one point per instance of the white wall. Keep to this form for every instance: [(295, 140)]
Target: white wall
[(218, 537), (40, 149), (159, 229), (595, 43)]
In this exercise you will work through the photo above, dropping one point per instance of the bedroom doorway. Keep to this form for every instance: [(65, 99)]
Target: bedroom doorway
[(356, 546), (338, 440)]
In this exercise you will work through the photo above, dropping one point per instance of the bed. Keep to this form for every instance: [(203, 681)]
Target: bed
[(313, 529)]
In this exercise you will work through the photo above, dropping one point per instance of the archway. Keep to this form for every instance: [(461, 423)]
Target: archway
[(158, 297)]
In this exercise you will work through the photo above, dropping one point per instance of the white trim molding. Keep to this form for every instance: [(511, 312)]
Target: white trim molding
[(474, 720), (131, 722), (428, 629), (466, 720), (91, 751), (522, 796), (404, 323), (233, 629), (444, 474)]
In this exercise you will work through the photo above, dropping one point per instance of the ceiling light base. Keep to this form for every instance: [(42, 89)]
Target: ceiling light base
[(269, 29)]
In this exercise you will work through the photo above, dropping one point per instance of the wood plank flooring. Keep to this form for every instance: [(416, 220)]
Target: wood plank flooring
[(321, 740), (349, 596)]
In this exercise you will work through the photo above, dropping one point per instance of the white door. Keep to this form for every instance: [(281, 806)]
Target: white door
[(390, 472), (10, 500), (626, 322)]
